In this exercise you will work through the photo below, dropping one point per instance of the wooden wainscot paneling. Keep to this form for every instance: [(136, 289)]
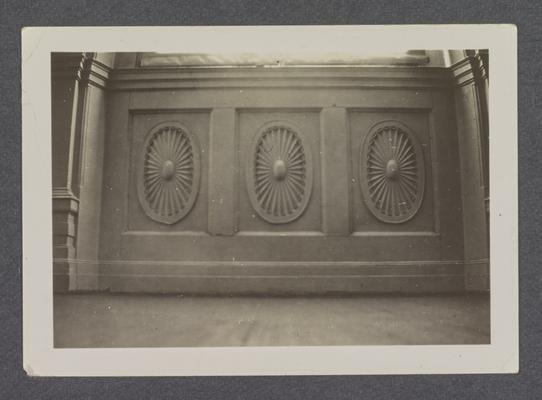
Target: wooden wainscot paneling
[(285, 201)]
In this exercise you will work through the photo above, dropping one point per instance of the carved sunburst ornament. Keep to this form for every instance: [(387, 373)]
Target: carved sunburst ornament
[(392, 172), (169, 179), (279, 174)]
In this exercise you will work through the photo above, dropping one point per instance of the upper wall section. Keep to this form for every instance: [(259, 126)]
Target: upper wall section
[(419, 58)]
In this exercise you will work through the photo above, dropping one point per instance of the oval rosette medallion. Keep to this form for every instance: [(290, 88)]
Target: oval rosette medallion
[(392, 175), (279, 173), (169, 171)]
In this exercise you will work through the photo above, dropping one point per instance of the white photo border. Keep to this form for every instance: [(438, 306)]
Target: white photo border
[(40, 358)]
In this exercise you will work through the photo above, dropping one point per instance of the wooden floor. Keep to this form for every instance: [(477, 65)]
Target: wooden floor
[(105, 320)]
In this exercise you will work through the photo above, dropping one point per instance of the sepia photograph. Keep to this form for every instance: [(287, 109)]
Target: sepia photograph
[(271, 198)]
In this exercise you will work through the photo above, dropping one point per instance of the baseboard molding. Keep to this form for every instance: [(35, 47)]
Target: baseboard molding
[(275, 278), (61, 276), (477, 276)]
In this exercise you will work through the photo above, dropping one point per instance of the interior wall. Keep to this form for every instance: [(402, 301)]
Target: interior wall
[(222, 244)]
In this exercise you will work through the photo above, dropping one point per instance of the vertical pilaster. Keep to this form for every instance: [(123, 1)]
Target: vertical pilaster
[(335, 171), (66, 69), (93, 127), (471, 112), (222, 172)]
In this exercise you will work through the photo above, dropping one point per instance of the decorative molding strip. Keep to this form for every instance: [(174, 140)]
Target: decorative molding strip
[(396, 233), (281, 234), (164, 233), (267, 264), (169, 171), (290, 276), (480, 261), (279, 173), (64, 193), (97, 74), (392, 176)]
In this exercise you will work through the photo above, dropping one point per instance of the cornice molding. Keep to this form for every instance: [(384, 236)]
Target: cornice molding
[(469, 70), (95, 73), (87, 70), (289, 77), (82, 67)]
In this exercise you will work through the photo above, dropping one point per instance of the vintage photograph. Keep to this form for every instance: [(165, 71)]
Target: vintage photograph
[(302, 200), (270, 199)]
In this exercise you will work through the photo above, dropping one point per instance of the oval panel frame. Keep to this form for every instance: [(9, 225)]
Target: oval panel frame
[(364, 176), (251, 166), (194, 143)]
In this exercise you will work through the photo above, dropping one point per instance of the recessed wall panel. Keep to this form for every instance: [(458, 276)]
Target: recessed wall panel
[(394, 166), (178, 158), (280, 178)]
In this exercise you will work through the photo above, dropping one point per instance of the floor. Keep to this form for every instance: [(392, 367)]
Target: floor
[(105, 320)]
